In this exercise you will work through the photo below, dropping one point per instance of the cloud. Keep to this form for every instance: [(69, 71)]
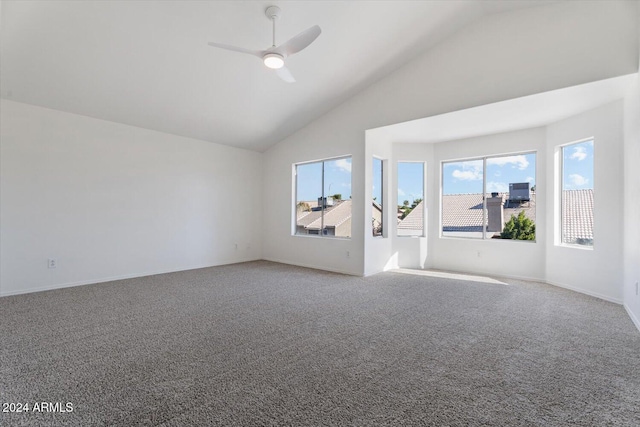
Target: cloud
[(401, 193), (578, 180), (529, 179), (579, 154), (519, 162), (499, 187), (467, 175), (344, 165)]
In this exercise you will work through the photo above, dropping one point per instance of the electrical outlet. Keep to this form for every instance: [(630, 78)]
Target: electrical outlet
[(479, 254), (52, 263), (236, 246), (348, 254)]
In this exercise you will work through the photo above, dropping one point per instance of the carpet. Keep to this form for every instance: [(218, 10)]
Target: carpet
[(267, 344)]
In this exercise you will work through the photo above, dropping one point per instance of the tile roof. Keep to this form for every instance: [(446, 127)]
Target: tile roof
[(577, 208), (463, 212), (414, 220), (333, 216)]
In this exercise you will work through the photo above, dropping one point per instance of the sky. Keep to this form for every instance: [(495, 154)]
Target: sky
[(410, 181), (577, 166), (466, 177), (337, 179), (458, 177), (377, 181)]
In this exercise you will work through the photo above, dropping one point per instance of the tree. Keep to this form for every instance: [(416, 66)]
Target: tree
[(337, 196), (415, 203), (519, 228), (304, 207), (405, 203)]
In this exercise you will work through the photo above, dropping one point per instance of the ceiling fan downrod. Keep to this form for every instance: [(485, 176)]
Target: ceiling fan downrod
[(273, 12)]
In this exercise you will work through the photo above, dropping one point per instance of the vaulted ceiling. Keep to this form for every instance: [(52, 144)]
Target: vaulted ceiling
[(147, 63)]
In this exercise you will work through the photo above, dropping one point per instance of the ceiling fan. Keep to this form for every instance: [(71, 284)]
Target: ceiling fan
[(275, 56)]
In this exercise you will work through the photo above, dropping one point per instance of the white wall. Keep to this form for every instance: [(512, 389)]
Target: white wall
[(512, 54), (632, 200), (500, 257), (108, 200), (377, 249), (278, 187), (596, 271), (413, 252)]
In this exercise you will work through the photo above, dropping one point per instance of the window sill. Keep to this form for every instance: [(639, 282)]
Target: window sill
[(570, 246), (318, 236)]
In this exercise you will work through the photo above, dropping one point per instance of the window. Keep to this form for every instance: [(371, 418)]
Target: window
[(576, 209), (323, 198), (490, 197), (410, 199), (376, 208)]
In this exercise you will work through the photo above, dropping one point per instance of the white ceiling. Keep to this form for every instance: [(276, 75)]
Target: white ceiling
[(147, 63), (526, 112)]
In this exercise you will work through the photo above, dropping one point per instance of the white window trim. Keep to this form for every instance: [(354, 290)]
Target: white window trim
[(294, 197), (383, 217), (424, 196), (558, 185), (484, 189)]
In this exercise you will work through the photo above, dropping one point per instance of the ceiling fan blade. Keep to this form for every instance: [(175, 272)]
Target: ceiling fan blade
[(299, 42), (257, 53), (285, 75)]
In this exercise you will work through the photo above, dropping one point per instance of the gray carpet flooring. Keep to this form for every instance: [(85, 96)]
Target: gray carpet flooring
[(266, 344)]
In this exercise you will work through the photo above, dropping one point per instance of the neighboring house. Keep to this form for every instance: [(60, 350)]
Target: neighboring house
[(412, 224), (337, 219), (577, 225), (376, 219), (462, 213)]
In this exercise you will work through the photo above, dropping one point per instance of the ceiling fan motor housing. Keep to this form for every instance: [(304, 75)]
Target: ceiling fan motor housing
[(272, 12)]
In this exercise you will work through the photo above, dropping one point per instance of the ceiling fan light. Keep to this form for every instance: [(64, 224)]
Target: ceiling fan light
[(273, 60)]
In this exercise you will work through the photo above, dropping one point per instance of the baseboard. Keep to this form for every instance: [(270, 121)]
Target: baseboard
[(583, 291), (113, 278), (482, 273), (539, 280), (314, 267), (633, 317), (560, 285), (373, 273)]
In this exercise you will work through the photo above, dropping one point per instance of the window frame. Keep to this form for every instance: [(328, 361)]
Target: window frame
[(383, 230), (484, 222), (424, 199), (294, 222), (559, 217)]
